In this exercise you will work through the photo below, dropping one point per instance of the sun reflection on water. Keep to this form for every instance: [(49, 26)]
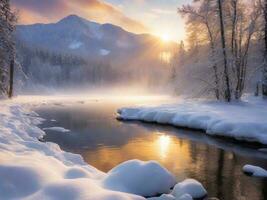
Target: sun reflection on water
[(167, 149), (164, 145)]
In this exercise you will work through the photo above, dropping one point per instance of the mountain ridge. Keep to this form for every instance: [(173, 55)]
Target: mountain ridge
[(77, 50), (92, 37)]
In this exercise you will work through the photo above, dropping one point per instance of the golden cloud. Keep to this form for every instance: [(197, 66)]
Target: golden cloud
[(33, 11)]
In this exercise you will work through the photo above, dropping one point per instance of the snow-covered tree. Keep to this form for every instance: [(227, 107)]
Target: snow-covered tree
[(224, 30), (7, 48), (203, 16), (177, 60)]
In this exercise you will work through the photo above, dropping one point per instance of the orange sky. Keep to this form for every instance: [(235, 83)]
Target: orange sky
[(138, 16)]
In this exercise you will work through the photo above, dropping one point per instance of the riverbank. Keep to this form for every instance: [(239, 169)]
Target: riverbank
[(31, 169), (245, 120)]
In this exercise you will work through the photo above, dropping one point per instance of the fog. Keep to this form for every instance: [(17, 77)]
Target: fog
[(45, 71)]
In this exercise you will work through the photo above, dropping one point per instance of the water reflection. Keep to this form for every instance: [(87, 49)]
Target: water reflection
[(164, 145), (105, 142), (165, 149)]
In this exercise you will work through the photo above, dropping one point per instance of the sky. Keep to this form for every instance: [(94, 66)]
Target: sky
[(157, 17)]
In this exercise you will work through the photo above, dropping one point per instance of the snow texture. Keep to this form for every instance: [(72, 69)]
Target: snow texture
[(30, 169), (58, 129), (188, 189), (120, 179), (244, 120), (255, 171)]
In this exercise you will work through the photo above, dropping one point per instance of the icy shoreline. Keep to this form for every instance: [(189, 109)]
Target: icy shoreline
[(30, 169), (246, 120)]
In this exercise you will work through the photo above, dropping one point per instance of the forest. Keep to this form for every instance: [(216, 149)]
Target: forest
[(226, 49)]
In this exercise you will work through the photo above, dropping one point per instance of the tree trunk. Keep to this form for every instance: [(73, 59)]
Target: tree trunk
[(233, 38), (11, 78), (227, 94), (264, 83), (215, 69), (257, 90)]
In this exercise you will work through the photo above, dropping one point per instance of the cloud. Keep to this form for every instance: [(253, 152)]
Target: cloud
[(33, 11), (163, 12)]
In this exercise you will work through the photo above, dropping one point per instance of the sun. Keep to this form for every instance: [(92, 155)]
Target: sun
[(165, 37)]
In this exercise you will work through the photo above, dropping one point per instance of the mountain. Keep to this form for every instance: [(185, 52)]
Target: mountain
[(80, 36), (89, 52)]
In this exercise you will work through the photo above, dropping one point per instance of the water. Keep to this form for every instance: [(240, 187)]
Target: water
[(105, 142)]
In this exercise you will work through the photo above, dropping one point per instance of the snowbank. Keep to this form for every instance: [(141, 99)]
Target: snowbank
[(255, 171), (246, 120), (30, 169)]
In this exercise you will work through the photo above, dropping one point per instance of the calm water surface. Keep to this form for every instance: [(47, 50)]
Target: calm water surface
[(105, 142)]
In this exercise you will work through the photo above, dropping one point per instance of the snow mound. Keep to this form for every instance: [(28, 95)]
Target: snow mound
[(145, 178), (58, 129), (163, 197), (189, 187), (255, 171), (171, 197), (185, 197), (245, 120)]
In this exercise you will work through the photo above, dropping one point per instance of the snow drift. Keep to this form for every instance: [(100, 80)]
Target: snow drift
[(246, 120)]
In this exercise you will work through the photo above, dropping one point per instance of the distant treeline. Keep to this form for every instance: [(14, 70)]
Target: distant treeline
[(46, 68)]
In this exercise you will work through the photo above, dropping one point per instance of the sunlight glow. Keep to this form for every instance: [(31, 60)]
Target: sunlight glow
[(164, 144), (165, 56), (165, 37), (170, 151)]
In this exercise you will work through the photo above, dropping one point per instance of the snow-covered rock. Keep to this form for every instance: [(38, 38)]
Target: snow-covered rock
[(145, 178), (189, 187), (255, 171), (58, 129), (246, 120)]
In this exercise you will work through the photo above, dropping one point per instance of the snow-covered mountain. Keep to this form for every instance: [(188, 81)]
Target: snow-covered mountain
[(80, 36), (75, 51)]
